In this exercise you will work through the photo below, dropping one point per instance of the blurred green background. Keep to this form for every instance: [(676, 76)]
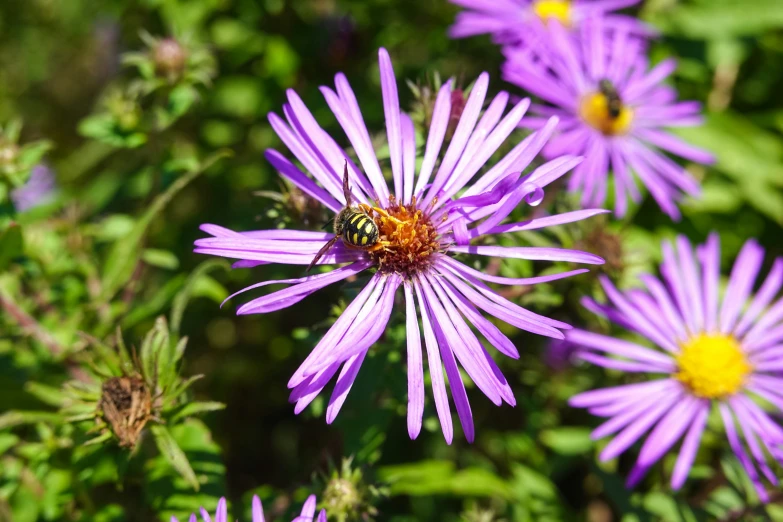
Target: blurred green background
[(60, 61)]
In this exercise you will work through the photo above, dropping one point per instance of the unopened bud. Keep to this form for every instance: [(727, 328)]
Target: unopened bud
[(170, 58)]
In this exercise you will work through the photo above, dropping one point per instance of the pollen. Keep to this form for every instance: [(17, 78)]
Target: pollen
[(407, 239), (559, 10), (712, 366), (594, 109)]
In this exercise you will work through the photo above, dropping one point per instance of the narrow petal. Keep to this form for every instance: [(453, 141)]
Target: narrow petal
[(622, 348), (367, 298), (258, 510), (767, 292), (408, 156), (343, 386), (436, 370), (531, 253), (690, 446), (744, 273), (391, 108), (415, 365), (293, 294), (633, 432)]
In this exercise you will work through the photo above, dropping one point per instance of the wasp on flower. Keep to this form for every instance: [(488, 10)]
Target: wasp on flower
[(412, 235)]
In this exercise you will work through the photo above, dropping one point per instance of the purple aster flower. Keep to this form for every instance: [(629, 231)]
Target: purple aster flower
[(513, 21), (221, 514), (38, 190), (717, 353), (412, 235), (613, 110)]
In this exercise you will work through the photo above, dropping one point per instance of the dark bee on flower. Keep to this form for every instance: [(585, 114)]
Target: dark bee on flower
[(613, 101), (354, 225)]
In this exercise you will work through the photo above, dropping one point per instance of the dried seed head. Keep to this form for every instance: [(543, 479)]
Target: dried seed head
[(126, 405)]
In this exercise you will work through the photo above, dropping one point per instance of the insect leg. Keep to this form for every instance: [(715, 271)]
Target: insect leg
[(346, 188), (324, 249)]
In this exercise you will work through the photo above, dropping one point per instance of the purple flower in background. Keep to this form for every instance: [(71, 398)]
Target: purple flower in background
[(38, 190), (613, 110), (430, 216), (724, 352), (513, 21), (221, 514)]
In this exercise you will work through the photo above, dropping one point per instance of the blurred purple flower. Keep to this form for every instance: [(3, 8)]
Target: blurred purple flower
[(716, 352), (512, 22), (613, 111), (428, 220), (38, 190), (221, 514)]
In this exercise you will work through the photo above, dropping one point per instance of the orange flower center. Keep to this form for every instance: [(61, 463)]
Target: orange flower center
[(409, 239)]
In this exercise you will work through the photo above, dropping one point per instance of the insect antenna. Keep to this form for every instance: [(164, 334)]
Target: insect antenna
[(346, 187), (324, 249)]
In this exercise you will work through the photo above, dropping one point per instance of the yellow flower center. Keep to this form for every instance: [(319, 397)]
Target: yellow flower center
[(712, 366), (610, 118), (559, 10)]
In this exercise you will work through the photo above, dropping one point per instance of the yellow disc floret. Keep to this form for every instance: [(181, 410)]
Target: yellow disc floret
[(712, 366), (595, 110), (559, 10)]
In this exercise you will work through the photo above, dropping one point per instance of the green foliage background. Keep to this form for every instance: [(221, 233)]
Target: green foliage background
[(112, 251)]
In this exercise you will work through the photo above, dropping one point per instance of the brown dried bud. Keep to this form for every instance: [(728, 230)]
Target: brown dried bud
[(458, 103), (126, 405)]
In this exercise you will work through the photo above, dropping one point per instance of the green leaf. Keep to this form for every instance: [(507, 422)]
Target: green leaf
[(11, 244), (194, 408), (183, 297), (434, 477), (167, 492), (722, 19), (568, 440), (154, 304), (13, 418), (47, 394), (173, 454), (125, 254)]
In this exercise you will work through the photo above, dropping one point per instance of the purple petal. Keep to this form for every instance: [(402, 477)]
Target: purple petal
[(408, 156), (343, 386), (258, 510), (415, 365), (460, 138), (690, 446), (441, 116), (292, 295), (770, 288), (666, 433), (289, 171), (368, 298), (531, 253), (744, 273), (622, 348), (436, 370), (391, 108), (634, 431), (709, 255), (548, 221), (439, 321), (675, 145), (456, 265)]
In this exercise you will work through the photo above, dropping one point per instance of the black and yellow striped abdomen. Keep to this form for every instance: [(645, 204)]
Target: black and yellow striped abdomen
[(357, 229)]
